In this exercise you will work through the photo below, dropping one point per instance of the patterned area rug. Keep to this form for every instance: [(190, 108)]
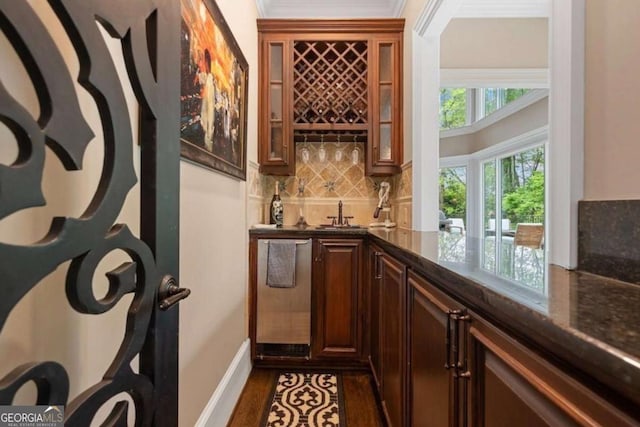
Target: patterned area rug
[(306, 400)]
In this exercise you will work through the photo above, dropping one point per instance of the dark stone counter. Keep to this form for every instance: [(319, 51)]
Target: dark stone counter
[(587, 324), (309, 231)]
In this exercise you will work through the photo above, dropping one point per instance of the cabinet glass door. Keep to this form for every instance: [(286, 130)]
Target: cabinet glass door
[(385, 84), (277, 144), (385, 89)]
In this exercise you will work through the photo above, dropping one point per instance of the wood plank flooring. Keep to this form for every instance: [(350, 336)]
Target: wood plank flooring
[(360, 404)]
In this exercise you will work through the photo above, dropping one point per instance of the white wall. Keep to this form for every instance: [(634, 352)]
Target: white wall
[(214, 249)]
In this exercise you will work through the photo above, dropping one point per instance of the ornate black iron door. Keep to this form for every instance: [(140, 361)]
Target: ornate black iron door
[(149, 34)]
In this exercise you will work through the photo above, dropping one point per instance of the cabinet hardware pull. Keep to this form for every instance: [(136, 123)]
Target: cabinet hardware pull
[(447, 343), (377, 269), (466, 375)]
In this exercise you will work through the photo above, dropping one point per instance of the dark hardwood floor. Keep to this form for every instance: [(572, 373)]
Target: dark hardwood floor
[(361, 408)]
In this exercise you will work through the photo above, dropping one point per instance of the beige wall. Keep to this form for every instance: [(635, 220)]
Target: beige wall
[(612, 99), (213, 249), (495, 43), (213, 246)]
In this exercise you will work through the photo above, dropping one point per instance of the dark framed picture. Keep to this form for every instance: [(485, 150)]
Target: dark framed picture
[(213, 92)]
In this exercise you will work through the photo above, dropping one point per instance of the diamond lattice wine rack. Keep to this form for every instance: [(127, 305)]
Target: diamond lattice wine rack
[(330, 85)]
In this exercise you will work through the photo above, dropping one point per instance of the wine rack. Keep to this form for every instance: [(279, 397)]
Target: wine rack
[(330, 80), (330, 87)]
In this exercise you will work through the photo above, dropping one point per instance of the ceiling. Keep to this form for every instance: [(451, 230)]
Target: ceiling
[(330, 8), (393, 8)]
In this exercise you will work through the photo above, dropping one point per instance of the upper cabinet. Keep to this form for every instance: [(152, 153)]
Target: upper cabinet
[(330, 76), (276, 150)]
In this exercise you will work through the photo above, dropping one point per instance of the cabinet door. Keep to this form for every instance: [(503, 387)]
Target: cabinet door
[(512, 386), (276, 147), (392, 336), (337, 276), (375, 359), (434, 393), (386, 143)]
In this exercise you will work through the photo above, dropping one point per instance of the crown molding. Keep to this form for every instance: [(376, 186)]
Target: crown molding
[(397, 7), (330, 25), (330, 9), (260, 4), (502, 9)]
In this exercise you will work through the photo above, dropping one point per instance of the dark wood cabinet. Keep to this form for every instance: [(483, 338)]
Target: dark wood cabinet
[(375, 313), (337, 310), (433, 388), (320, 77), (276, 149), (391, 337), (466, 372), (511, 385), (386, 145)]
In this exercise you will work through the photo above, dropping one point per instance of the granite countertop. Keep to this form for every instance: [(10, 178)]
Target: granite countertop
[(587, 323), (309, 231)]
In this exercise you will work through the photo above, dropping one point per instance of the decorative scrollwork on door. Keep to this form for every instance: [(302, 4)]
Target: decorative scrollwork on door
[(87, 239)]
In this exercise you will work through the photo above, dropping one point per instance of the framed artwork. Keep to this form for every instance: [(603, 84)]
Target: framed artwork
[(213, 92)]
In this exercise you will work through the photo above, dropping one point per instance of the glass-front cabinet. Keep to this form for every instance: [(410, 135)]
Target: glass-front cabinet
[(322, 78), (277, 150), (386, 133)]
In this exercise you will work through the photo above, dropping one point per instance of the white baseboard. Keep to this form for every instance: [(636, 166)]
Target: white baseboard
[(218, 411)]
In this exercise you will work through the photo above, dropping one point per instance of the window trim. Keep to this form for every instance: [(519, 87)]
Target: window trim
[(566, 117), (513, 107), (474, 162), (496, 159)]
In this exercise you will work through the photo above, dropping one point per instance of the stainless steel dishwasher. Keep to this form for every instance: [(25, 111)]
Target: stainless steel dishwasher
[(284, 314)]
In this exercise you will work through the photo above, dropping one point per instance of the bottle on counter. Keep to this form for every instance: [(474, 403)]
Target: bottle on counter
[(276, 209)]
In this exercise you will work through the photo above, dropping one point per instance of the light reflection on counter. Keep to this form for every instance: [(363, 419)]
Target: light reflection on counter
[(520, 264)]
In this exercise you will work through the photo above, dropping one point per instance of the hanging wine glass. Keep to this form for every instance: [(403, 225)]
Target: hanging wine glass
[(322, 152), (355, 153), (339, 154), (304, 153)]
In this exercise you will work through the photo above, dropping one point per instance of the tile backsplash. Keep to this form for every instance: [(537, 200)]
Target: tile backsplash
[(336, 176), (340, 176), (608, 236)]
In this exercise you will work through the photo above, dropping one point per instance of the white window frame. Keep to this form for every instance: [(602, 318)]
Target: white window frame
[(475, 180), (458, 162), (565, 166)]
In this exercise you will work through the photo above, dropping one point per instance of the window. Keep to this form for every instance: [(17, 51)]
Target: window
[(491, 100), (453, 108), (453, 192), (461, 107), (514, 221)]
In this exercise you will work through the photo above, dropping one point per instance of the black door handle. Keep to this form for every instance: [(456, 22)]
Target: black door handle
[(170, 293)]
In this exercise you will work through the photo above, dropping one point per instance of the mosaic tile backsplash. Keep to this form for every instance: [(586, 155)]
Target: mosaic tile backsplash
[(338, 175), (327, 173)]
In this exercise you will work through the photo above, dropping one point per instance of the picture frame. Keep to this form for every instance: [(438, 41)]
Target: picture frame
[(213, 91)]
